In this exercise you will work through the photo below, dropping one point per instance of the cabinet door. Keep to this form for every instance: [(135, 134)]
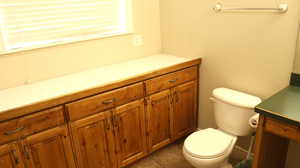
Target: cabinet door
[(10, 156), (49, 149), (185, 109), (93, 141), (159, 116), (129, 121)]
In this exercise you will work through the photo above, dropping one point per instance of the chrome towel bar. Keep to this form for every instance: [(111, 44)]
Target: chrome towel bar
[(282, 8)]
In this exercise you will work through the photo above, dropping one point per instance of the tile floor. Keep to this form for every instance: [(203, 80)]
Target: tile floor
[(171, 157)]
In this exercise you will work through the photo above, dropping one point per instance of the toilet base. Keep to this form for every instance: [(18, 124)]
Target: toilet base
[(220, 162), (226, 165)]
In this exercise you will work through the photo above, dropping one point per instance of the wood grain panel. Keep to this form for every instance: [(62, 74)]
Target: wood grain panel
[(282, 129), (10, 156), (185, 109), (170, 80), (49, 149), (270, 150), (130, 131), (159, 116), (104, 101), (9, 131), (12, 130), (93, 141)]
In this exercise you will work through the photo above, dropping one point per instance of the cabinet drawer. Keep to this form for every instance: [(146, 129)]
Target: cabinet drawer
[(169, 80), (279, 128), (31, 124), (104, 101)]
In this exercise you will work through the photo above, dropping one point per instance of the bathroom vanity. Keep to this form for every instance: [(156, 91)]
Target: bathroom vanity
[(279, 122), (105, 118)]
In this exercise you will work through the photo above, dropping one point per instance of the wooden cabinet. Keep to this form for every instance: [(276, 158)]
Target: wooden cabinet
[(105, 101), (184, 109), (112, 138), (171, 80), (28, 125), (93, 141), (173, 113), (49, 149), (129, 121), (159, 116), (10, 156), (126, 133), (34, 147), (272, 141), (109, 128)]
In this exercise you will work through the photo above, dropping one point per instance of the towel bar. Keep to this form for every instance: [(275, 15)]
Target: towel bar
[(282, 8)]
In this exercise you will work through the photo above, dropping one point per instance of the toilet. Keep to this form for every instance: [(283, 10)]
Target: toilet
[(210, 148)]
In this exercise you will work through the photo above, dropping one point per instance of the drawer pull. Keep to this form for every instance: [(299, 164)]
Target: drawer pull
[(173, 80), (13, 131), (106, 102)]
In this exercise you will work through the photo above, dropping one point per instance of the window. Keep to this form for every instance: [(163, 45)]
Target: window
[(27, 24)]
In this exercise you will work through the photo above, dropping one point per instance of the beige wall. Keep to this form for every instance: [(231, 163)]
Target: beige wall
[(297, 57), (40, 64), (250, 52)]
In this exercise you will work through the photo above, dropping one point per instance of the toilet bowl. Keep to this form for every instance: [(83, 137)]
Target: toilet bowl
[(210, 148)]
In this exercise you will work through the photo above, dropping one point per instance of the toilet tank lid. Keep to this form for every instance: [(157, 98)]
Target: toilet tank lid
[(236, 98)]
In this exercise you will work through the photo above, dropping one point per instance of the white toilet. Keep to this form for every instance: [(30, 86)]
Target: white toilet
[(210, 148)]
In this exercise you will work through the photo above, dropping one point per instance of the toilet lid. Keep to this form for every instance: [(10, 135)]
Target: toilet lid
[(208, 143)]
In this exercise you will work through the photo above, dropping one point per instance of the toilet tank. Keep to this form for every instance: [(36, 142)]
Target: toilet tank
[(233, 110)]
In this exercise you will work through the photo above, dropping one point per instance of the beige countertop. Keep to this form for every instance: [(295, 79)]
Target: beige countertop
[(14, 98)]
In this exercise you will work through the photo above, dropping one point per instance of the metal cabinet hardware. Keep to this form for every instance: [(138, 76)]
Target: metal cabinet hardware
[(282, 8), (106, 102), (13, 131), (173, 80)]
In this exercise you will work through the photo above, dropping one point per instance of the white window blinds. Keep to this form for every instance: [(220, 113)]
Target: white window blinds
[(34, 23)]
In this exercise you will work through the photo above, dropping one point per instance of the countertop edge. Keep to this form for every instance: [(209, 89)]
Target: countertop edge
[(56, 101), (276, 116)]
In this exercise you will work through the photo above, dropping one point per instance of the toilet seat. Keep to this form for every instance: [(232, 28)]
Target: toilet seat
[(207, 144)]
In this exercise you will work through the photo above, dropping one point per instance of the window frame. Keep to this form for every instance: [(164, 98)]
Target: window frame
[(75, 39)]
